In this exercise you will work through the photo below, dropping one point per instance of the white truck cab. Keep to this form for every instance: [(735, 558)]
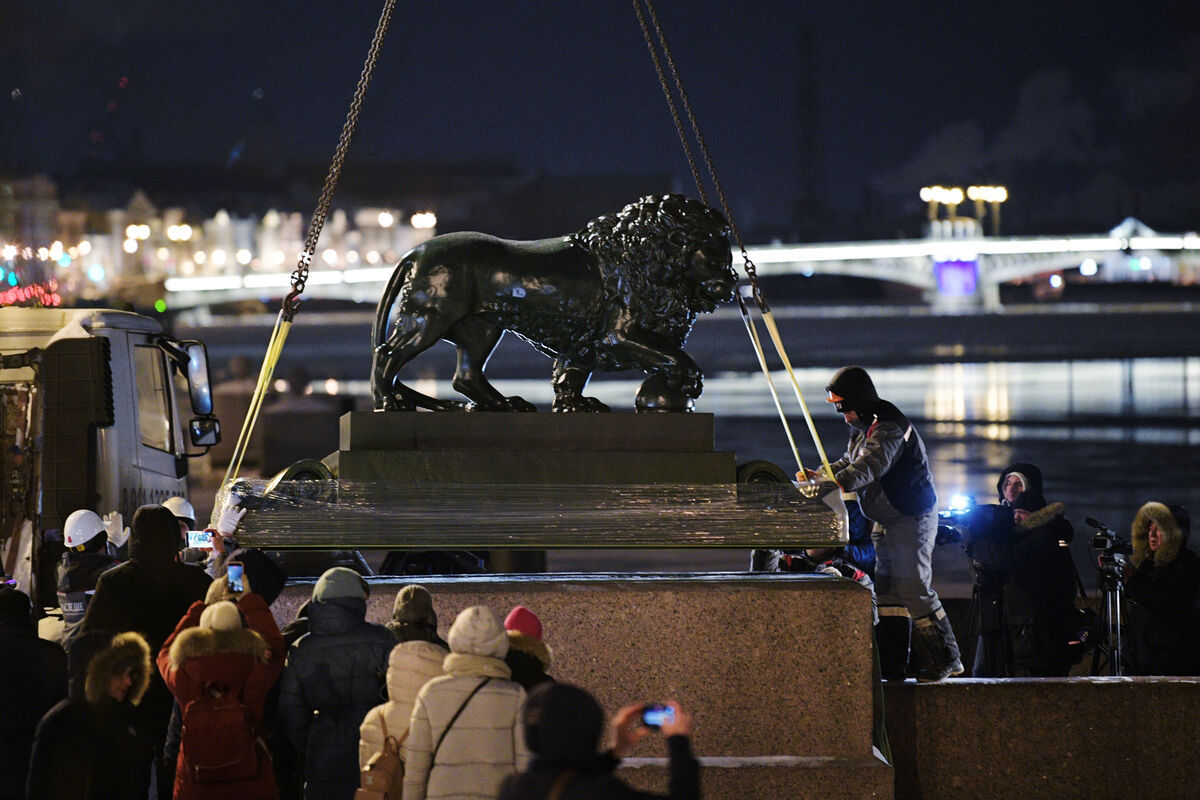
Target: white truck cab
[(101, 410)]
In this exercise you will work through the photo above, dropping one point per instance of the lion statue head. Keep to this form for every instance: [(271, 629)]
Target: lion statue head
[(663, 260)]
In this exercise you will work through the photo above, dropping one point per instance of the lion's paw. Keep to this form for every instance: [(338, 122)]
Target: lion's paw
[(579, 403)]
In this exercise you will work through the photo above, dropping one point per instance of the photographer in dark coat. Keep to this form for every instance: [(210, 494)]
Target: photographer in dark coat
[(562, 725), (335, 674), (1024, 587), (148, 594), (1162, 633), (33, 677), (1039, 598)]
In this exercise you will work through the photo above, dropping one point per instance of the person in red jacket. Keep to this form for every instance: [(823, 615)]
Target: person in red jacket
[(223, 651)]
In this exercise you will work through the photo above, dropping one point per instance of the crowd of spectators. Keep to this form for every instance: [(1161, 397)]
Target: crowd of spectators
[(174, 680)]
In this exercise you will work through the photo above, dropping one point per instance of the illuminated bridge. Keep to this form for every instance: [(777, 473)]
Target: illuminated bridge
[(953, 272)]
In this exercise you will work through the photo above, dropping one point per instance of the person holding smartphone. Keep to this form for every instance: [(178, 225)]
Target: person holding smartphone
[(562, 725)]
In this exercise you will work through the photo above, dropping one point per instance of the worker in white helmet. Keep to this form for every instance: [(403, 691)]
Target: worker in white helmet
[(86, 536), (211, 553)]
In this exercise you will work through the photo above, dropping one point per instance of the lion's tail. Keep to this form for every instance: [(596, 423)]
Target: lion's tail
[(391, 292)]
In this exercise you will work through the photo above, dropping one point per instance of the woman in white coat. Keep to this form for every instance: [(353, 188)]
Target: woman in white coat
[(410, 666), (465, 734)]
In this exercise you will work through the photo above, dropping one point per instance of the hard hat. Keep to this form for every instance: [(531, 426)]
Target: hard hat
[(182, 509), (81, 527)]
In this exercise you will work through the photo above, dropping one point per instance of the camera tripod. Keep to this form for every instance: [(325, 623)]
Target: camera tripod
[(1106, 658)]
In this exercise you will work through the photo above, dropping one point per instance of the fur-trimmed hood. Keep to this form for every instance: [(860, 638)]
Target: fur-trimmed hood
[(125, 648), (534, 647), (198, 642), (1172, 535), (1042, 516)]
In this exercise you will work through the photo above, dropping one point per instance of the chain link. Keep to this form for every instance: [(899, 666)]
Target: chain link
[(748, 264), (666, 87), (291, 303)]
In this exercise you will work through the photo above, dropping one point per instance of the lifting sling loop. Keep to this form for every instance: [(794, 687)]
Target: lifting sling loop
[(291, 303)]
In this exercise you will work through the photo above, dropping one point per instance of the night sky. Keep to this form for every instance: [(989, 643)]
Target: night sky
[(1087, 111)]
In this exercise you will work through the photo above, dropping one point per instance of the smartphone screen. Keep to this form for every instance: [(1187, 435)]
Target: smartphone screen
[(199, 540), (656, 716), (233, 576)]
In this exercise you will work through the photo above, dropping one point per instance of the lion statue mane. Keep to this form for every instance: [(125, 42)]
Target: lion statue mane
[(622, 293)]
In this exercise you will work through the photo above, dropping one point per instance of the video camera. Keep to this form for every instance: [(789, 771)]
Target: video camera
[(1106, 540), (1111, 561)]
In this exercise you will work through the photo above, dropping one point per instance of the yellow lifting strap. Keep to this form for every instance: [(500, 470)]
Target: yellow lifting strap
[(274, 348), (773, 331), (291, 303)]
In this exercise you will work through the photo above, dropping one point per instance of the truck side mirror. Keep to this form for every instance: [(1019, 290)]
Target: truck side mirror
[(198, 381), (205, 431)]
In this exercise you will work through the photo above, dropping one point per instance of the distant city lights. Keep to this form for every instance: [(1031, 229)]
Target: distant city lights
[(423, 220), (130, 246), (934, 194), (386, 220), (1088, 267), (987, 194)]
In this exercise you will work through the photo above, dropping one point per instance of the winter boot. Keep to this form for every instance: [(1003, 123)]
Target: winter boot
[(892, 635), (935, 650)]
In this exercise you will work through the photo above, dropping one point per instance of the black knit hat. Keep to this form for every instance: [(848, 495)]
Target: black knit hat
[(155, 534), (852, 390), (15, 607), (1029, 501), (563, 724)]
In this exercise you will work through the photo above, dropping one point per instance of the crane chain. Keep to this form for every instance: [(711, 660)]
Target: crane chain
[(748, 265), (291, 303)]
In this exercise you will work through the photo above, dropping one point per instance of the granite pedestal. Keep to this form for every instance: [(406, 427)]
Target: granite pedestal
[(775, 669)]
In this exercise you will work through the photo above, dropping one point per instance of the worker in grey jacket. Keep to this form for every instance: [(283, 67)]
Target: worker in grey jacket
[(885, 463)]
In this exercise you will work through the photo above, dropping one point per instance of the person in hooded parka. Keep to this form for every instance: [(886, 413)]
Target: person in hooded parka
[(1163, 593), (148, 593), (334, 675), (90, 747)]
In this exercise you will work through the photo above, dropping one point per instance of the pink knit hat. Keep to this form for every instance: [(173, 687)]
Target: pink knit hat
[(523, 621)]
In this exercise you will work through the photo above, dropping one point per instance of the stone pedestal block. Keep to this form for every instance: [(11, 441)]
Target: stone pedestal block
[(563, 449), (775, 669)]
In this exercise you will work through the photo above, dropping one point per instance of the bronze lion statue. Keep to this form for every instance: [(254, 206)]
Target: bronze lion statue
[(623, 293)]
